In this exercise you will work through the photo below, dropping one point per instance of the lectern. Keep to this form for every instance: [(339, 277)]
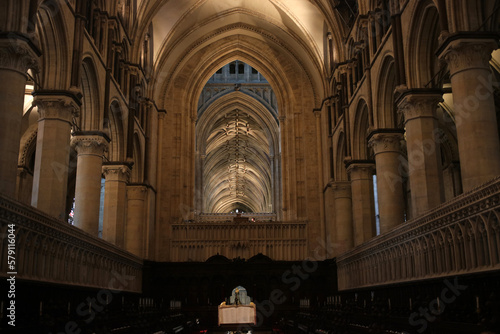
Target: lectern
[(239, 311)]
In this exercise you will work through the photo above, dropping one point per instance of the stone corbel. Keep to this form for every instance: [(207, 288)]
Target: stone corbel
[(377, 13), (117, 47), (339, 88), (363, 22), (344, 68), (112, 23), (359, 45), (22, 171), (352, 63), (162, 113)]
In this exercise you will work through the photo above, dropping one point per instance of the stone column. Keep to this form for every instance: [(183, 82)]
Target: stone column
[(117, 174), (286, 173), (343, 216), (136, 219), (161, 234), (387, 148), (319, 143), (17, 55), (330, 226), (90, 146), (378, 31), (50, 176), (468, 56), (424, 153), (363, 203), (24, 184)]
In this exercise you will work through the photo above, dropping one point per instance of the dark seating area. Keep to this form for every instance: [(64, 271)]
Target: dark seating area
[(178, 300), (466, 305), (127, 321)]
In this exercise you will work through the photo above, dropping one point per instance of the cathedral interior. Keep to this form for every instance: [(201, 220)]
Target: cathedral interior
[(336, 160)]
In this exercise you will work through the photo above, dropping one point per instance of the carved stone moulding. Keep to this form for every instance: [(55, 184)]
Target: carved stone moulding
[(90, 142), (55, 104), (360, 169), (137, 192), (341, 189), (385, 140), (468, 50), (18, 53), (117, 171), (419, 103)]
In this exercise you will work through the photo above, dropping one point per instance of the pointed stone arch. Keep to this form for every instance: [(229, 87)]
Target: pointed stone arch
[(422, 42), (178, 93), (137, 175), (360, 149), (117, 116), (52, 31), (385, 108), (90, 115)]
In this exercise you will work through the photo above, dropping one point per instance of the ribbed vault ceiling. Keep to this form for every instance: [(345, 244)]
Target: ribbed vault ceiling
[(182, 28), (238, 137), (173, 19), (237, 165)]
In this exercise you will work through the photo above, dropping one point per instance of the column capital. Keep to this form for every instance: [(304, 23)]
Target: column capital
[(90, 142), (419, 103), (317, 113), (343, 68), (359, 170), (161, 114), (352, 63), (23, 170), (378, 13), (136, 191), (341, 189), (18, 53), (464, 51), (385, 141), (116, 171), (58, 105), (146, 103), (282, 118)]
